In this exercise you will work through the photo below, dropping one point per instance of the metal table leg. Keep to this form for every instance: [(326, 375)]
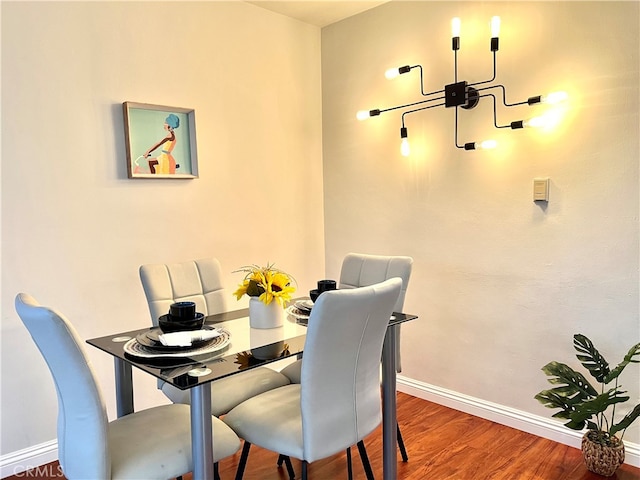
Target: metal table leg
[(389, 419), (201, 432), (124, 387)]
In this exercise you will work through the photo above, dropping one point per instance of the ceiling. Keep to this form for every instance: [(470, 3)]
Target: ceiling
[(319, 13)]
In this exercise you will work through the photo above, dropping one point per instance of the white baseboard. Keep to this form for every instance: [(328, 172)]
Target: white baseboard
[(28, 458), (526, 422)]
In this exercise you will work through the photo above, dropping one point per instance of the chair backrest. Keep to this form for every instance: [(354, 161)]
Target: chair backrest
[(198, 281), (340, 381), (83, 449), (361, 270)]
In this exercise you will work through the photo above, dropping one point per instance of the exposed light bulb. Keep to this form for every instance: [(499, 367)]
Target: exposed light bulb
[(364, 114), (495, 27), (535, 122), (394, 72), (488, 144), (405, 149), (455, 27), (547, 121), (391, 73), (555, 97)]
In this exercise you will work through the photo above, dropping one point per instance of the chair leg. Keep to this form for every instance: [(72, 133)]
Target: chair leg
[(243, 460), (216, 472), (349, 465), (290, 471), (403, 450), (304, 470), (280, 460), (365, 460)]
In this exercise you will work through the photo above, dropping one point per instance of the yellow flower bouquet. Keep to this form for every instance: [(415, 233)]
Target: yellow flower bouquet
[(267, 283)]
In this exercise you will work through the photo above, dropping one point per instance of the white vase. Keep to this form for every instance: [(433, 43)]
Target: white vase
[(265, 316)]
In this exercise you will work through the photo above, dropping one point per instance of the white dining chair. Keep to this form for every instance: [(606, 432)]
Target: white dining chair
[(152, 444), (337, 402), (360, 270), (200, 281)]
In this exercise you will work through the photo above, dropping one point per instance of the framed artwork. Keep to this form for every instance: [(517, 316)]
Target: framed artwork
[(160, 140)]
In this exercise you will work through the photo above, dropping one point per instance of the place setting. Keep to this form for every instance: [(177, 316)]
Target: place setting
[(180, 338), (301, 308)]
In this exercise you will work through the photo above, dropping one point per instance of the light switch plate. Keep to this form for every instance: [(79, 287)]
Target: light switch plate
[(540, 189)]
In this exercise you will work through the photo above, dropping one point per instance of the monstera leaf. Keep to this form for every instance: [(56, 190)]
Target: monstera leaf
[(551, 399), (591, 358), (595, 406), (570, 382), (628, 358), (626, 421), (573, 390)]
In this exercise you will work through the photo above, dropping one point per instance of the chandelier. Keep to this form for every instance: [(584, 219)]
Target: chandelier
[(466, 95)]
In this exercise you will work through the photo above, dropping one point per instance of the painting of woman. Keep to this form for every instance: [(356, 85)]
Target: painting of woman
[(165, 163)]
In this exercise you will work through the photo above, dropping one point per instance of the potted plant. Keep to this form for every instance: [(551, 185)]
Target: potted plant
[(269, 289), (594, 409)]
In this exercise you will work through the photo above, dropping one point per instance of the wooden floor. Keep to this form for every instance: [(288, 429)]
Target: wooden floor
[(443, 444)]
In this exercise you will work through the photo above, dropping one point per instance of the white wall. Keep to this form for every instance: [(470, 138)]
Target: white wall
[(75, 229), (500, 283)]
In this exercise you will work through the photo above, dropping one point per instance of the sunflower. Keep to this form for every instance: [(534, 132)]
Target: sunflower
[(278, 288), (267, 283)]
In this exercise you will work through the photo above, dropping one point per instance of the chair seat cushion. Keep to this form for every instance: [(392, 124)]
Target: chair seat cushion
[(156, 443), (272, 420), (293, 371), (230, 391)]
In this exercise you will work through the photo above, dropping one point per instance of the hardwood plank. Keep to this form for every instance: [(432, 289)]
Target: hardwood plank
[(443, 444)]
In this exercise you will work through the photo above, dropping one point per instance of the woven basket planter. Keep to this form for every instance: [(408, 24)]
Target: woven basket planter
[(602, 459)]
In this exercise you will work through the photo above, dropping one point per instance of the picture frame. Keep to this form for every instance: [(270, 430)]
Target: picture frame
[(160, 141)]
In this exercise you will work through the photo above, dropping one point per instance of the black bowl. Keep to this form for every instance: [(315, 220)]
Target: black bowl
[(186, 310), (326, 285), (314, 294), (168, 323)]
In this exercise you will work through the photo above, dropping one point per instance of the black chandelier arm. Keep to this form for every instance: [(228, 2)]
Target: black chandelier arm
[(495, 114), (422, 82), (468, 145), (412, 105), (421, 79), (492, 78), (455, 66), (456, 130), (529, 101), (419, 110), (435, 92)]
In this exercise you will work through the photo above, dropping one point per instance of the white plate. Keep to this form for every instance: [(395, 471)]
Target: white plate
[(135, 348), (304, 304), (299, 314)]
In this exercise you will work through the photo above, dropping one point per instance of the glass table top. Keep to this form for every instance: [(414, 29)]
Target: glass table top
[(246, 348)]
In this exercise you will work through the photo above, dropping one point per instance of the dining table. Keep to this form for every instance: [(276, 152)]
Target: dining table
[(239, 348)]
